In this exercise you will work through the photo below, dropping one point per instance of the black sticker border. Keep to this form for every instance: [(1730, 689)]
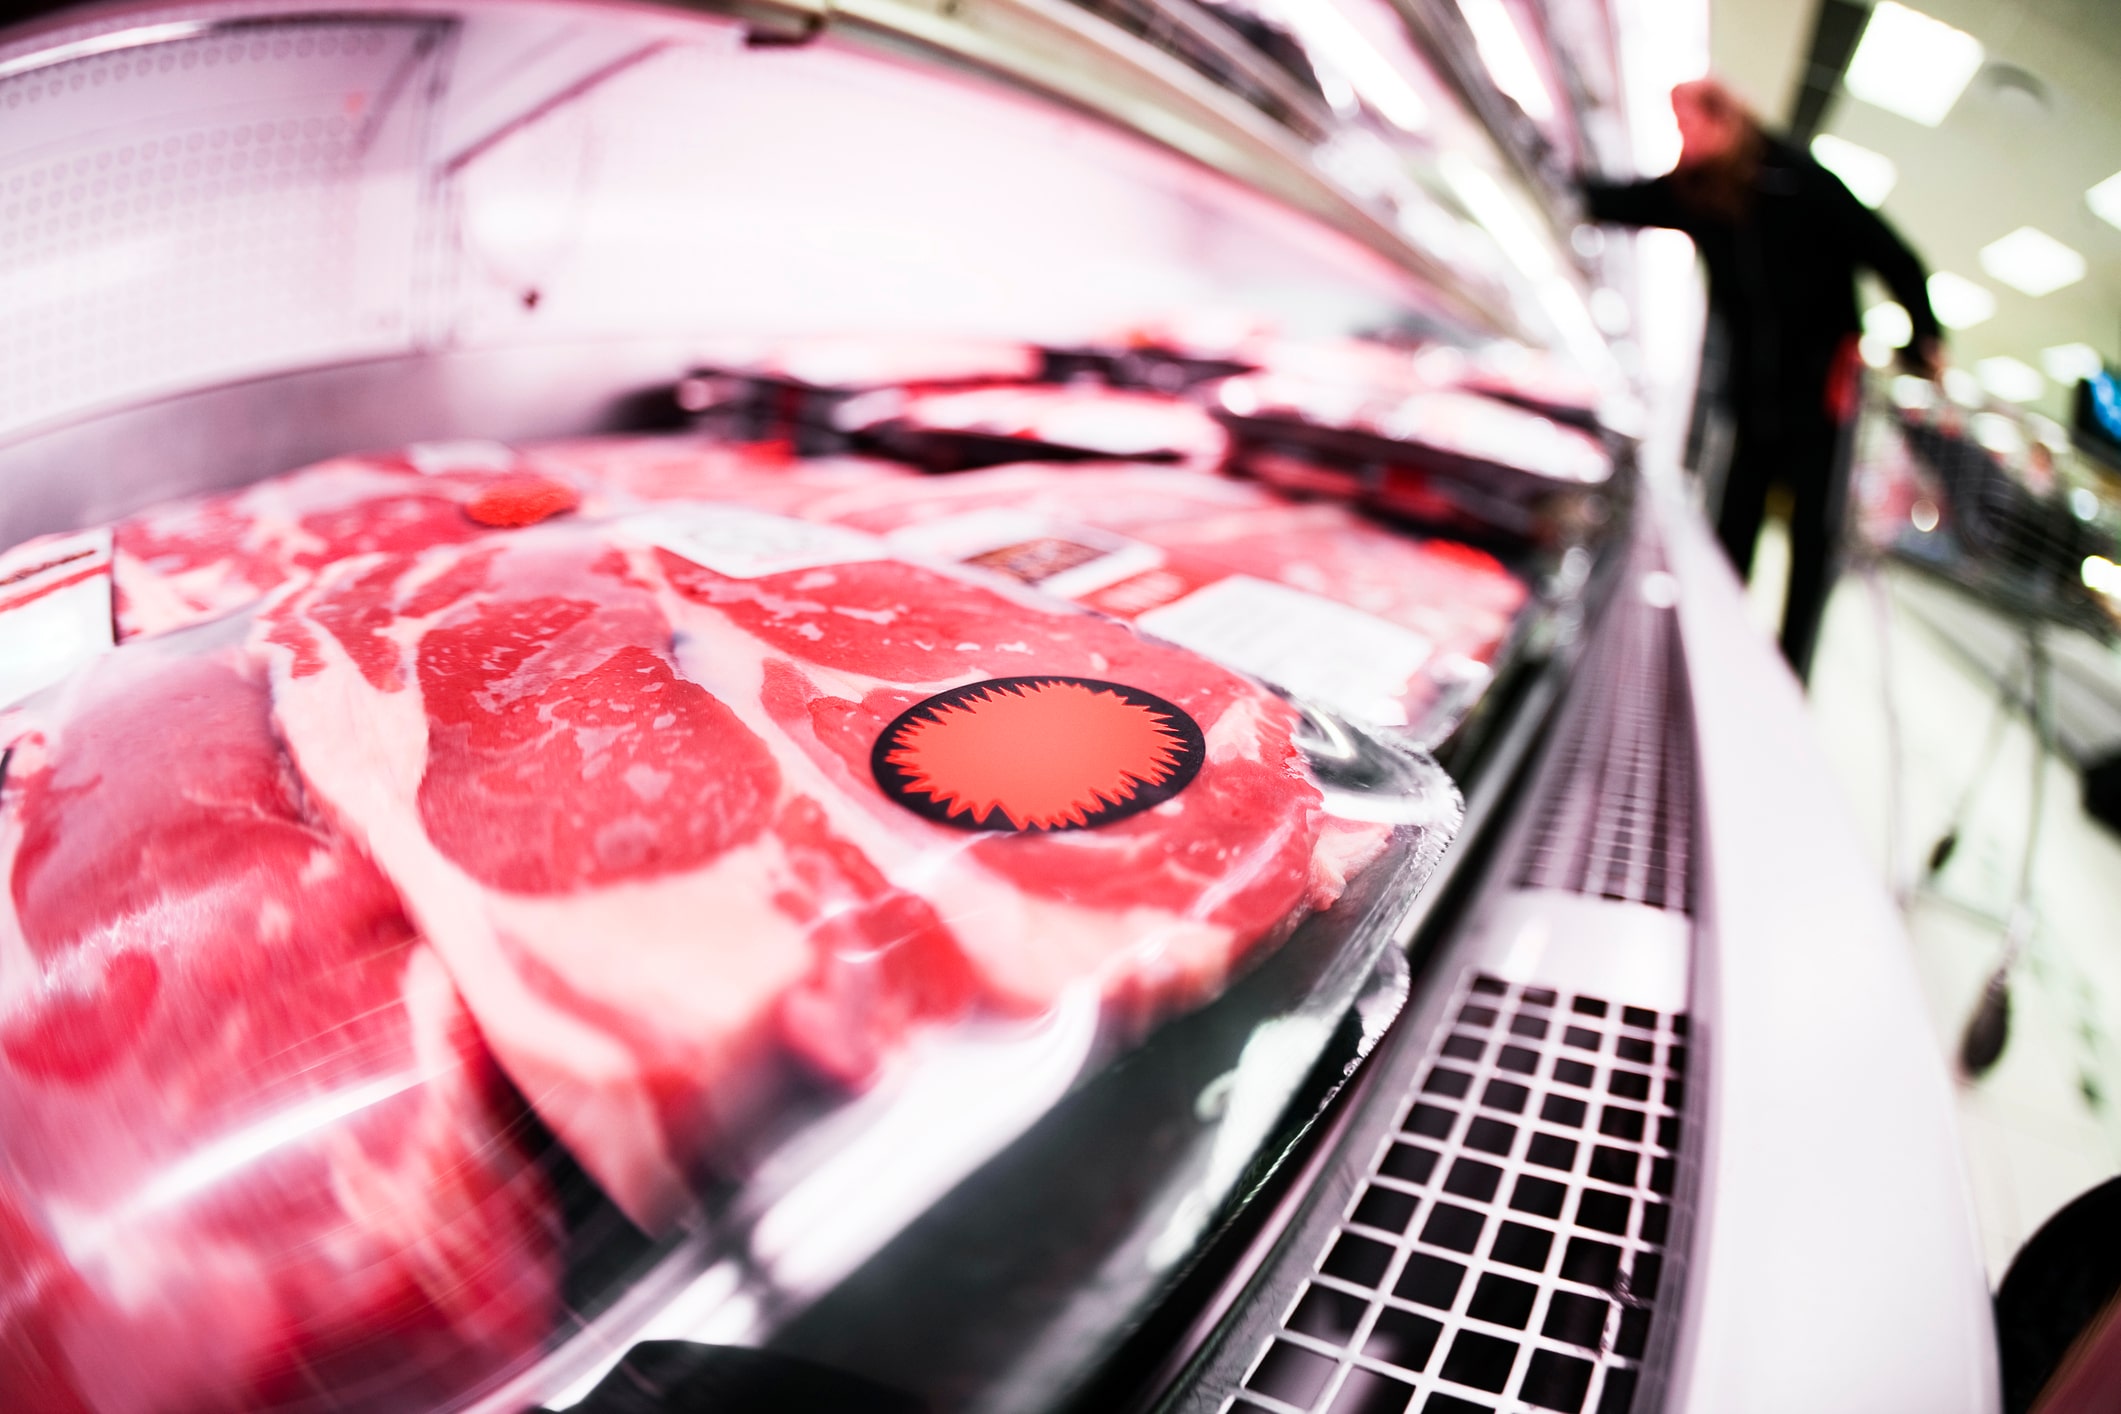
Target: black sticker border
[(897, 783)]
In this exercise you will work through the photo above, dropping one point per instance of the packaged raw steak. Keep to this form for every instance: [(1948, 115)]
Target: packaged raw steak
[(1455, 460), (1390, 630), (198, 559), (64, 597), (703, 806), (625, 472), (1169, 354), (1383, 371), (790, 388), (1535, 379), (252, 1150), (956, 430)]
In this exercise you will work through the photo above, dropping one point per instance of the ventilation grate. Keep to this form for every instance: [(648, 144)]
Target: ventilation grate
[(1619, 822), (1507, 1250)]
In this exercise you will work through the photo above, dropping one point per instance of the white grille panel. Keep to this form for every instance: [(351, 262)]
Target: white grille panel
[(1507, 1251)]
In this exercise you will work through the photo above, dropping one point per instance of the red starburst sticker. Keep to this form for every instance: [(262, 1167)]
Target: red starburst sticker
[(1037, 753)]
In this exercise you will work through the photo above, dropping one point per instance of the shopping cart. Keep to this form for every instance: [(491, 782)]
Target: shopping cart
[(2021, 554)]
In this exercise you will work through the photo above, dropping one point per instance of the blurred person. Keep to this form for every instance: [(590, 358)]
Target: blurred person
[(1782, 240)]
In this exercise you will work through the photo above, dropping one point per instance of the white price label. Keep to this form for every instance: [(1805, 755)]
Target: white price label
[(55, 610), (1334, 655), (746, 544), (1068, 560)]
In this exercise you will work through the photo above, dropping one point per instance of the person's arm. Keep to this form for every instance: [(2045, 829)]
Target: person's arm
[(1650, 203), (1878, 247)]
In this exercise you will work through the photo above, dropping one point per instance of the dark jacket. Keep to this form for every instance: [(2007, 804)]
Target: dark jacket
[(1782, 276)]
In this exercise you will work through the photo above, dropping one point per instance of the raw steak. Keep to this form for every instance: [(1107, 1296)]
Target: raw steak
[(252, 1153), (199, 559), (622, 472), (791, 387), (631, 799), (1185, 543)]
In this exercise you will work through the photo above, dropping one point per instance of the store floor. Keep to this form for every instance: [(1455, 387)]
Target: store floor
[(2043, 1125)]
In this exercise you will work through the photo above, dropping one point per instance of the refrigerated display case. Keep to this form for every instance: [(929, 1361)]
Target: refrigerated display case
[(1574, 1067)]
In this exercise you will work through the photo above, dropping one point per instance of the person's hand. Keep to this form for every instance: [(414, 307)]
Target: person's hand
[(1925, 357)]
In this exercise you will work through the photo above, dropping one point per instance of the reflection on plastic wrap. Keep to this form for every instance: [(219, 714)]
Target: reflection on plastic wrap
[(955, 431), (1393, 631), (462, 849), (251, 1142)]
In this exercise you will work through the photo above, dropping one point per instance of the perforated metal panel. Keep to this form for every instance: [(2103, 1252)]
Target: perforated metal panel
[(1507, 1251), (152, 239), (1620, 821)]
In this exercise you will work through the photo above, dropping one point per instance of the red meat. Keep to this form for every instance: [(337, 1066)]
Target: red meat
[(251, 1147), (196, 560), (1179, 533), (630, 798)]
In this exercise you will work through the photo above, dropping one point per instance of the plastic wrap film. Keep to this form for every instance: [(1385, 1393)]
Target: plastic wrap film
[(1393, 631), (468, 904)]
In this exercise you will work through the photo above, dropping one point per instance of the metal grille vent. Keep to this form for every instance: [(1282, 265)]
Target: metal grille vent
[(1507, 1250), (1619, 822)]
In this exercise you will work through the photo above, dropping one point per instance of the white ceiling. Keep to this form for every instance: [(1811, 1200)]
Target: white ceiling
[(1998, 162)]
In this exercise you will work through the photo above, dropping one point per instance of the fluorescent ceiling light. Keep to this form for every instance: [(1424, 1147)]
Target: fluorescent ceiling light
[(1962, 387), (2102, 574), (2071, 363), (1908, 391), (1910, 64), (2031, 260), (1998, 433), (1958, 301), (2105, 200), (2009, 379), (1889, 322), (1508, 60), (1868, 175)]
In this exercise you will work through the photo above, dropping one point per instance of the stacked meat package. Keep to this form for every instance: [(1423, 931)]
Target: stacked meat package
[(417, 834)]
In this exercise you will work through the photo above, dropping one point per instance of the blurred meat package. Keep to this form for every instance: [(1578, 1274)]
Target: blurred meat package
[(794, 388), (1408, 439), (233, 1078), (959, 429)]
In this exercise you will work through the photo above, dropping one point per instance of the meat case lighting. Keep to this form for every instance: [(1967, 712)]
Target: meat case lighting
[(1868, 175), (1503, 52), (1912, 64), (1328, 34), (1959, 302), (2031, 260)]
